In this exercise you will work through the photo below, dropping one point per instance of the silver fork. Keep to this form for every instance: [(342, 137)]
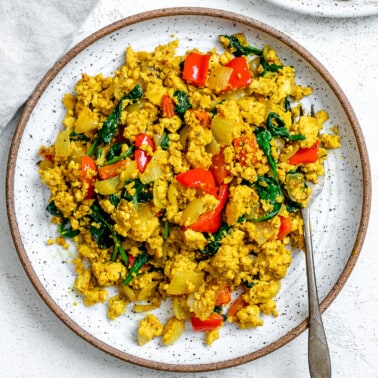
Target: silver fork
[(318, 352)]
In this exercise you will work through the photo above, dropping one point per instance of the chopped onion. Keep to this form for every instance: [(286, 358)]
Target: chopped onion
[(192, 211), (264, 231), (145, 307), (152, 172), (222, 129), (172, 194), (128, 292), (63, 144), (107, 187), (135, 107), (154, 168), (184, 135), (185, 283), (213, 147), (219, 77), (147, 291), (86, 121), (234, 95), (158, 139), (129, 170), (254, 65)]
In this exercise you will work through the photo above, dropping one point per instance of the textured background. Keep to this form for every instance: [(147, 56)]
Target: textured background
[(34, 343)]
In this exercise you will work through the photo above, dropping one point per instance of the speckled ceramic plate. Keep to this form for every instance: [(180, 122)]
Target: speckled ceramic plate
[(330, 8), (340, 215)]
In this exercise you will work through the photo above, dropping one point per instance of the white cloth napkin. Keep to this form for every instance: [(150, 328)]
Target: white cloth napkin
[(33, 35)]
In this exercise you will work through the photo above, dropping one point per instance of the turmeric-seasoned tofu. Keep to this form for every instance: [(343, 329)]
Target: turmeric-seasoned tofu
[(179, 178)]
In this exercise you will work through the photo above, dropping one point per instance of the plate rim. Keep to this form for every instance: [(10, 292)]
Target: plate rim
[(170, 12), (371, 10)]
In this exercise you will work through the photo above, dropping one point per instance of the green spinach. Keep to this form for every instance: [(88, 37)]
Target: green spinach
[(239, 49), (268, 67), (263, 138), (215, 240), (269, 190), (104, 234), (139, 193), (140, 261), (64, 228), (182, 104), (164, 144), (110, 125), (280, 130)]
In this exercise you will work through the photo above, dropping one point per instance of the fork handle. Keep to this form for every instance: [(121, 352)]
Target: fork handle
[(318, 352)]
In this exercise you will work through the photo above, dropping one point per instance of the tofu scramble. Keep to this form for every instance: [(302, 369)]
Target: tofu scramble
[(181, 178)]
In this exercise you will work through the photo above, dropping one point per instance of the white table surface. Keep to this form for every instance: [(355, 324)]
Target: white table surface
[(35, 343)]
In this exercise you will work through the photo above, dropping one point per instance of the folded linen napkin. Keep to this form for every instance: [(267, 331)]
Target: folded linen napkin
[(33, 35)]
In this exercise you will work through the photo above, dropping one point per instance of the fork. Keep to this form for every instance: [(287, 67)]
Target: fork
[(318, 352)]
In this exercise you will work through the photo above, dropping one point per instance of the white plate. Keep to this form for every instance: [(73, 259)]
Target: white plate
[(330, 8), (339, 218)]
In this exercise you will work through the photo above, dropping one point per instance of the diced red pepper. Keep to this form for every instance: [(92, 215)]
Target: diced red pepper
[(246, 148), (196, 68), (211, 220), (108, 171), (224, 296), (131, 260), (144, 140), (285, 227), (87, 163), (167, 106), (306, 155), (142, 157), (240, 76), (237, 305), (203, 118), (219, 168), (119, 136), (207, 222), (214, 321), (198, 178)]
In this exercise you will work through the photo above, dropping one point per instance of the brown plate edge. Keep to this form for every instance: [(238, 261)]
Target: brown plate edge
[(169, 12)]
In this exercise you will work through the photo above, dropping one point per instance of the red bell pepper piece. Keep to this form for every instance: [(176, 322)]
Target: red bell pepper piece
[(224, 296), (207, 223), (214, 321), (142, 157), (246, 148), (119, 138), (203, 118), (306, 155), (285, 227), (237, 305), (240, 76), (144, 140), (198, 178), (196, 68), (219, 168), (167, 106), (87, 163), (211, 220), (108, 171)]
